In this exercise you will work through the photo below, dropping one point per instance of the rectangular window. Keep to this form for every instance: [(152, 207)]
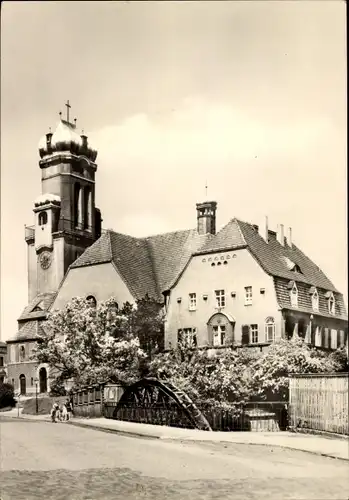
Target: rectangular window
[(1, 361), (254, 334), (341, 341), (248, 295), (220, 298), (218, 335), (326, 337), (187, 337), (32, 381), (192, 301), (334, 339)]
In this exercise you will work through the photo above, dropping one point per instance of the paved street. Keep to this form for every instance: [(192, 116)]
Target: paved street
[(57, 461)]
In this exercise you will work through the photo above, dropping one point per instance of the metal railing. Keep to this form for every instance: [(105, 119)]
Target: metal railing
[(256, 416)]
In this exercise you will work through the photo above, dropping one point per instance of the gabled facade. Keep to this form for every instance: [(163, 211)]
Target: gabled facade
[(245, 285), (250, 285)]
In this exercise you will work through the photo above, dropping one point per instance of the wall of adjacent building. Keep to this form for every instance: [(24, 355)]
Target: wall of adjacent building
[(16, 368), (102, 281), (241, 270)]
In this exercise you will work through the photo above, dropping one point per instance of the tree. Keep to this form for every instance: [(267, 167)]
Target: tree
[(91, 344), (283, 358), (7, 395), (214, 377), (146, 321)]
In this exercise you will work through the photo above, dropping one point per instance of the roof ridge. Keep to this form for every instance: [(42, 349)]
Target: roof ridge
[(168, 233), (109, 245), (236, 220), (152, 265)]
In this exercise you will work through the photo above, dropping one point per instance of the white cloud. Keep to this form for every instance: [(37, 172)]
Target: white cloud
[(203, 135)]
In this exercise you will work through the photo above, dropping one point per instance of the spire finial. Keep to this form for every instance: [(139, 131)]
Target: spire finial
[(206, 188), (75, 120), (68, 107), (49, 129)]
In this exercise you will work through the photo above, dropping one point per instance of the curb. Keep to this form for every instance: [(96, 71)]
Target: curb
[(191, 440), (114, 431), (180, 439)]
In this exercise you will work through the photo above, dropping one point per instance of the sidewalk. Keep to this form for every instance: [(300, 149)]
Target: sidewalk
[(319, 445)]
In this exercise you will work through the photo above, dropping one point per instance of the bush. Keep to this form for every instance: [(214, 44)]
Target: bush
[(7, 396)]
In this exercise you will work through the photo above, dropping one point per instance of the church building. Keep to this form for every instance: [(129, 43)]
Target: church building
[(243, 285)]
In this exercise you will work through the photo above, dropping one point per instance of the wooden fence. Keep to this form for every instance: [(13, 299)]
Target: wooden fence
[(90, 401), (319, 402)]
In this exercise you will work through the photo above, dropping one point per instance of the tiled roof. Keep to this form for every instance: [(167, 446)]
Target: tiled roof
[(152, 265), (304, 300), (132, 259), (147, 265), (97, 253), (170, 253), (229, 237), (270, 256), (29, 330), (38, 307)]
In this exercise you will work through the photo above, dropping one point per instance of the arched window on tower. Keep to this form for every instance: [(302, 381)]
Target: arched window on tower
[(88, 208), (42, 218), (77, 205)]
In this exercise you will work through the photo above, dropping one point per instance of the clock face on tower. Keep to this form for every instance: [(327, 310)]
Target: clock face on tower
[(45, 260)]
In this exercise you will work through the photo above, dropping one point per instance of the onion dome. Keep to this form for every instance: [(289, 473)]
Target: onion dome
[(65, 138)]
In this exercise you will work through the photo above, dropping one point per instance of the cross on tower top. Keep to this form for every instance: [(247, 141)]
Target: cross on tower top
[(68, 107)]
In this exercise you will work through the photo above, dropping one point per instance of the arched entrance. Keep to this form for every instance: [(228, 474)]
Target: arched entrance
[(220, 329), (42, 380), (22, 385)]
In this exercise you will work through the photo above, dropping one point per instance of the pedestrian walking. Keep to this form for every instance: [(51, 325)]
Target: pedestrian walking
[(54, 413), (64, 413), (69, 409)]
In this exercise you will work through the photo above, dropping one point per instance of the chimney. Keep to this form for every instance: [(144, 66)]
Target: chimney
[(281, 234), (206, 217), (263, 229), (289, 237)]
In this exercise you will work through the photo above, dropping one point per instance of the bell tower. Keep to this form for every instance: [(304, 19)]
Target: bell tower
[(66, 218)]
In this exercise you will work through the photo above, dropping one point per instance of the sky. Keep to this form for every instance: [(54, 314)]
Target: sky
[(249, 97)]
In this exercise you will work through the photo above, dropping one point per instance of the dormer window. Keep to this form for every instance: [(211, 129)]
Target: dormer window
[(293, 293), (91, 301), (331, 303), (314, 298), (291, 266)]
